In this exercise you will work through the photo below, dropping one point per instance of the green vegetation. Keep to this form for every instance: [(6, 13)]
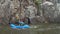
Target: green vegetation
[(37, 2)]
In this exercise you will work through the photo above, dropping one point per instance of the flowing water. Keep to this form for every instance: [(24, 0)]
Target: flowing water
[(35, 29)]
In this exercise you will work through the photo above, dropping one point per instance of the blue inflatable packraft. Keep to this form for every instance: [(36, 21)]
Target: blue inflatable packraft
[(13, 26)]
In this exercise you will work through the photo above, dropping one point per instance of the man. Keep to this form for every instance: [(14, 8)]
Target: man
[(14, 19)]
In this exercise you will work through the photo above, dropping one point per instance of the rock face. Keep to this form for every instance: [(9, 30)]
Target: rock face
[(8, 7), (31, 11), (48, 10), (51, 13), (57, 13)]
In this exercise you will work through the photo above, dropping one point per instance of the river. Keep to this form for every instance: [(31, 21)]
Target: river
[(35, 29)]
